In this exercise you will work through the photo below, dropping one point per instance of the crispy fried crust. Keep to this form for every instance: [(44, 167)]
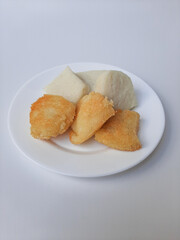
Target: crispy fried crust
[(50, 116), (120, 131), (93, 110)]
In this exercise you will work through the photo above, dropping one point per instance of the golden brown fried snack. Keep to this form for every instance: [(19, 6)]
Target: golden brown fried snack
[(50, 116), (93, 110), (120, 131)]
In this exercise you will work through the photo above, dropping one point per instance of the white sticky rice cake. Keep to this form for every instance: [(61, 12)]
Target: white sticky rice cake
[(113, 84), (116, 86), (90, 77), (68, 85)]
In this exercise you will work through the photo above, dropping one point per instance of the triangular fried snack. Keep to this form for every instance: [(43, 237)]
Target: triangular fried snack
[(92, 111), (120, 131)]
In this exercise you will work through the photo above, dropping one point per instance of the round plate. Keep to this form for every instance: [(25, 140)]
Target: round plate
[(90, 159)]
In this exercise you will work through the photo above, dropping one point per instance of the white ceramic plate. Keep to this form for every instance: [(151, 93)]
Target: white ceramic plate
[(90, 159)]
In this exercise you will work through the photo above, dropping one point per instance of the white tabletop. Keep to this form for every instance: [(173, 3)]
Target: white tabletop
[(140, 36)]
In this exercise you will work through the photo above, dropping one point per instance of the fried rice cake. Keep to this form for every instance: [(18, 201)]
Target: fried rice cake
[(120, 132), (92, 111), (50, 116)]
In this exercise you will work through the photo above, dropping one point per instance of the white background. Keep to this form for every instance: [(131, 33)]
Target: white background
[(142, 37)]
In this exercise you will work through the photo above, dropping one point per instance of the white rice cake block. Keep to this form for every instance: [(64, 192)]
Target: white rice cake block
[(68, 85), (90, 77), (116, 86)]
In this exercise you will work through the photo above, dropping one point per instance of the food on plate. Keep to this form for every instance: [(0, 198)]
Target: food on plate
[(115, 85), (50, 116), (120, 131), (92, 111), (68, 85), (95, 92)]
